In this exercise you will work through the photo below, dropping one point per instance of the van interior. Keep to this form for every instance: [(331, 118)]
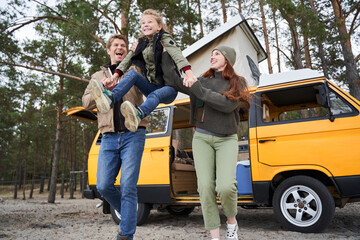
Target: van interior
[(183, 175)]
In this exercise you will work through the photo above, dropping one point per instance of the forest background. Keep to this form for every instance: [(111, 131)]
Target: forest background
[(45, 70)]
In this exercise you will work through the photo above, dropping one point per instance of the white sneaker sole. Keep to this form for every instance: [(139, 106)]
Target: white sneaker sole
[(102, 101), (130, 114)]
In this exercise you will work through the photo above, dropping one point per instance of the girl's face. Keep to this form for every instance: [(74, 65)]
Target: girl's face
[(149, 26), (217, 61)]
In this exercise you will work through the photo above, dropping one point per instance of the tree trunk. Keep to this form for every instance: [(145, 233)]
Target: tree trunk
[(188, 21), (65, 153), (34, 173), (71, 164), (296, 48), (55, 165), (75, 154), (239, 8), (351, 69), (125, 19), (43, 175), (18, 170), (223, 7), (24, 178), (276, 40), (85, 159), (50, 169), (266, 38), (200, 19), (306, 45), (319, 42)]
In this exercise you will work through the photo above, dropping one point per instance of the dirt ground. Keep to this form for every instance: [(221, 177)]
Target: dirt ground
[(80, 219)]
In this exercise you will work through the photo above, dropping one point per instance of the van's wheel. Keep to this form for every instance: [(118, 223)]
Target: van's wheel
[(179, 211), (143, 211), (303, 204)]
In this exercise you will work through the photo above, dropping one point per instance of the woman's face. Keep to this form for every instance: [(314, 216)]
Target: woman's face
[(149, 26), (217, 61)]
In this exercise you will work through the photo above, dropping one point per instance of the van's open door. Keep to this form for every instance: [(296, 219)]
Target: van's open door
[(82, 113)]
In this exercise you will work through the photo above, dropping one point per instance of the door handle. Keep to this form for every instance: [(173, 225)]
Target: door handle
[(267, 140), (157, 150)]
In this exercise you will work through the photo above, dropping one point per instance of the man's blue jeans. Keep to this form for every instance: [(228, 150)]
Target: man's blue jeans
[(121, 150), (155, 94)]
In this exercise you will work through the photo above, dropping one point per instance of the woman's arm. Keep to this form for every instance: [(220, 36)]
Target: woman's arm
[(214, 99), (170, 74)]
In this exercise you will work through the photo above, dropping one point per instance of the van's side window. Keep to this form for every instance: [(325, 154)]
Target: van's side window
[(158, 121), (300, 103), (338, 105)]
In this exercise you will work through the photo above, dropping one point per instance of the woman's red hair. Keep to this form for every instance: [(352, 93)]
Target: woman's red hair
[(237, 84)]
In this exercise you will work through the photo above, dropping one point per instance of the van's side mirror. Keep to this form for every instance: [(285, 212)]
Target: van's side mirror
[(323, 96), (325, 100)]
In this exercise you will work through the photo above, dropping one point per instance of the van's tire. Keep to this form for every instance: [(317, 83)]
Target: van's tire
[(303, 204), (115, 215), (143, 211), (179, 211)]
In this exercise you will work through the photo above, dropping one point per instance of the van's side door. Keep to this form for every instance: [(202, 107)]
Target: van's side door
[(154, 178), (294, 129)]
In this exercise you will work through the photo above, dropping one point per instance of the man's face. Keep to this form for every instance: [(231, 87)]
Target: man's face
[(117, 51)]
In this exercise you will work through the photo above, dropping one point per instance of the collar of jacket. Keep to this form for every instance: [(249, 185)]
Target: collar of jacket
[(138, 60)]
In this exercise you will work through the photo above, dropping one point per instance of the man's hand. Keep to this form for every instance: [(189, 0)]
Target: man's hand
[(108, 83), (189, 79)]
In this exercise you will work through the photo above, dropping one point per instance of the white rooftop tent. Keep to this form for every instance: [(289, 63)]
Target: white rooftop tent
[(235, 33)]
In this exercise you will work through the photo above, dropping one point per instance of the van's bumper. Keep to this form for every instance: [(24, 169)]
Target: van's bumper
[(91, 193)]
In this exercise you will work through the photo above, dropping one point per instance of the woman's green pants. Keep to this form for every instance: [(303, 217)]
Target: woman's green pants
[(215, 163)]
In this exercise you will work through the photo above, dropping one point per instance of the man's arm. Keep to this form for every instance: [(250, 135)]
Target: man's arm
[(87, 101)]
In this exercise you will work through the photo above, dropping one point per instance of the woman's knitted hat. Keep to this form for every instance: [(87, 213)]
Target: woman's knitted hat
[(228, 52)]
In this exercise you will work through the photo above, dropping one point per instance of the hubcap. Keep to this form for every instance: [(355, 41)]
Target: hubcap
[(301, 206)]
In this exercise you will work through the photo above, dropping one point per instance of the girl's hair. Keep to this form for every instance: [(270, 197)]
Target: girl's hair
[(238, 89), (157, 17)]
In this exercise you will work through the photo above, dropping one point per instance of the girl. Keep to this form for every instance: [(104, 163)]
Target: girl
[(148, 57), (216, 99)]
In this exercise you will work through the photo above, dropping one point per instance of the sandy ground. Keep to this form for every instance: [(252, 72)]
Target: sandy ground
[(79, 219)]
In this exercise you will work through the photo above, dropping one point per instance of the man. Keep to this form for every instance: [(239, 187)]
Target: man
[(120, 148)]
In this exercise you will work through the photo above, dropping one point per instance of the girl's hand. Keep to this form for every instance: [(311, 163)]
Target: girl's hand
[(189, 79), (108, 84), (134, 46)]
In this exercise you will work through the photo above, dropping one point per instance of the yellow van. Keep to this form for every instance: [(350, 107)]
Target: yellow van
[(298, 153)]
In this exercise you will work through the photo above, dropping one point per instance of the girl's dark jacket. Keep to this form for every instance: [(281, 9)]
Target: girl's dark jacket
[(148, 57)]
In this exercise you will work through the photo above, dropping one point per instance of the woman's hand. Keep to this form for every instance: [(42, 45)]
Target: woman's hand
[(189, 79)]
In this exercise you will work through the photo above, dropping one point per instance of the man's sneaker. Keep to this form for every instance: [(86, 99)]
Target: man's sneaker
[(131, 115), (101, 96), (118, 236), (231, 233)]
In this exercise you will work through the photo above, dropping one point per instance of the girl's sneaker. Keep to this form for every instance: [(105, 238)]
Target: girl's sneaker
[(101, 96), (231, 233), (131, 115)]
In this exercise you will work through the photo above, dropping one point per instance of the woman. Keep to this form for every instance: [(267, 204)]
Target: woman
[(216, 99)]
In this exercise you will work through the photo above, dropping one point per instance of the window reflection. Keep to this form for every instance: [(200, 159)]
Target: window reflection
[(158, 121)]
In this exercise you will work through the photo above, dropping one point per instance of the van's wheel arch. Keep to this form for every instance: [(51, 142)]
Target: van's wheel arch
[(143, 211), (303, 204), (179, 210)]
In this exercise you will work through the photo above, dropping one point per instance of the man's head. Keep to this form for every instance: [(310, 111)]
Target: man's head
[(116, 47)]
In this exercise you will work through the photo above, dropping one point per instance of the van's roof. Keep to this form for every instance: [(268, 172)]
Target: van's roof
[(285, 77)]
